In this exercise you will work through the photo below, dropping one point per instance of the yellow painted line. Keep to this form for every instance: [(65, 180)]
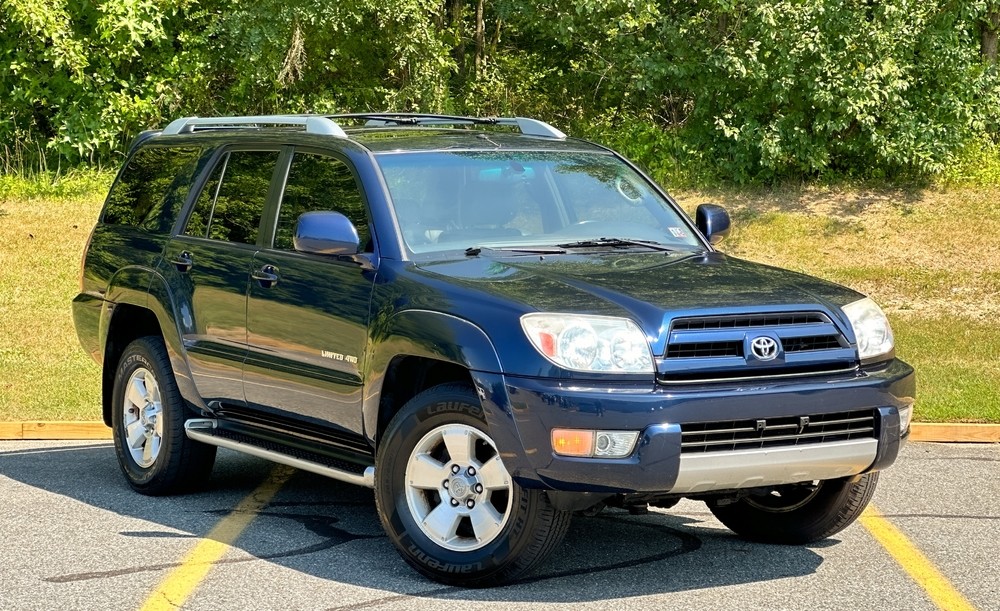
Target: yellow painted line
[(916, 565), (178, 586)]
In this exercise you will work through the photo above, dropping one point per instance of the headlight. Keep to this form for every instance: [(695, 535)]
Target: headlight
[(871, 328), (589, 343)]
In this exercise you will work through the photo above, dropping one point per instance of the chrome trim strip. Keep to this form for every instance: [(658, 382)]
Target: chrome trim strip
[(196, 429), (710, 471), (724, 442), (756, 377)]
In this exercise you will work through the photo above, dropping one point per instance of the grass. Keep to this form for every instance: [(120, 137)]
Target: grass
[(44, 223), (958, 367), (928, 255)]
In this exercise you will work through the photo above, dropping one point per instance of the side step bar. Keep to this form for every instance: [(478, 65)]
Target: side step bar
[(204, 430)]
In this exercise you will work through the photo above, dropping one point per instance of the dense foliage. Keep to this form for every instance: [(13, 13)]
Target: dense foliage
[(744, 90)]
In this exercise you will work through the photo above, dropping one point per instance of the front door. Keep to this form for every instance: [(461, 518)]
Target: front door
[(307, 316)]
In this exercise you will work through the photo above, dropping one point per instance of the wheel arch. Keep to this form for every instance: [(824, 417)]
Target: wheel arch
[(139, 303), (418, 349), (126, 323)]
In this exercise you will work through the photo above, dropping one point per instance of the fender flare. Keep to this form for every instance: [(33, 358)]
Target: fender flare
[(147, 289), (128, 286), (163, 303), (426, 334)]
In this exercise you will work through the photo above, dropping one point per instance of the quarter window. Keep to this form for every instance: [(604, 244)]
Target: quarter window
[(232, 202), (152, 188)]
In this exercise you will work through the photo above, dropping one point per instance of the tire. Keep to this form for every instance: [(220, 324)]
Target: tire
[(147, 419), (496, 532), (799, 514)]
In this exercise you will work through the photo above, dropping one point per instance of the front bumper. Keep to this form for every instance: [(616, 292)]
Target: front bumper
[(529, 408)]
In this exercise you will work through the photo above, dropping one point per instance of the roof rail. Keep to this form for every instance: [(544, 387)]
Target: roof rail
[(313, 124), (532, 127), (528, 127)]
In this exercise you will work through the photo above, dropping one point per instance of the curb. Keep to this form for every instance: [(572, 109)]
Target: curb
[(55, 430), (955, 433)]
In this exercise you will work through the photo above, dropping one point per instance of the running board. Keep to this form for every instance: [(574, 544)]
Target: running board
[(206, 430)]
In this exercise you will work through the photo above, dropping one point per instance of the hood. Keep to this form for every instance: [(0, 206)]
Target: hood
[(650, 288)]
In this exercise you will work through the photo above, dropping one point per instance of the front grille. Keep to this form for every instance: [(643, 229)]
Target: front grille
[(717, 347), (705, 350), (805, 344), (748, 321), (734, 435)]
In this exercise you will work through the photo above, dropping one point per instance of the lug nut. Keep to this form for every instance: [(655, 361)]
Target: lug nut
[(455, 468), (470, 503), (454, 502), (445, 484), (479, 488), (471, 471)]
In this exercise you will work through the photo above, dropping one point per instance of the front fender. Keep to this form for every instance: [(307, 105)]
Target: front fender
[(426, 334)]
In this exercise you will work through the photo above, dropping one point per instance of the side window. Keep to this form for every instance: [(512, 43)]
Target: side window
[(152, 188), (232, 202), (318, 182)]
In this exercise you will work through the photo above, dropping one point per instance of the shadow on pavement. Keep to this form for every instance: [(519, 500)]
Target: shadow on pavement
[(330, 530)]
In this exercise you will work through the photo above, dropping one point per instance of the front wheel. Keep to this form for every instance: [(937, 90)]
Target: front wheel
[(800, 513), (447, 502), (147, 418)]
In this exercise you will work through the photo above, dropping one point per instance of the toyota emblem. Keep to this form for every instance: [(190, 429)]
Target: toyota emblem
[(764, 348)]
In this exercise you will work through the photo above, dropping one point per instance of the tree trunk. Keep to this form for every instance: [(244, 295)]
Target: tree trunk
[(495, 40), (458, 52), (989, 27), (480, 36)]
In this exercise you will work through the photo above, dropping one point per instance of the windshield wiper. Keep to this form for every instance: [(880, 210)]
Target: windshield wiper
[(601, 242), (528, 250)]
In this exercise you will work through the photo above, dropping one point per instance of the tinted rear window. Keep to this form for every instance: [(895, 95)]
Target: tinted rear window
[(232, 201), (152, 187)]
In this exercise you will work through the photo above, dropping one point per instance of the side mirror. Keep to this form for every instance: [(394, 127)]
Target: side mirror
[(326, 233), (713, 222)]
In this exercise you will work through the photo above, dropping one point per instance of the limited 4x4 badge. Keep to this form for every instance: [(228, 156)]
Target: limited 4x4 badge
[(339, 357)]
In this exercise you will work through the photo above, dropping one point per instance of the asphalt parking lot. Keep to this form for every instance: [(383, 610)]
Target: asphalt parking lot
[(74, 536)]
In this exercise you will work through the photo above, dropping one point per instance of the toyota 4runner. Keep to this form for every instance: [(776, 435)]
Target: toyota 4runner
[(492, 325)]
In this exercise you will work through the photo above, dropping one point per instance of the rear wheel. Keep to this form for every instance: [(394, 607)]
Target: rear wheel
[(448, 503), (800, 513), (148, 416)]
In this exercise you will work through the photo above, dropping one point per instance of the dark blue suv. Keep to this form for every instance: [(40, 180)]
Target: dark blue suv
[(491, 324)]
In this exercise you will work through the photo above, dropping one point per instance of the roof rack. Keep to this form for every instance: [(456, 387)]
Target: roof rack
[(326, 124), (528, 127), (313, 124)]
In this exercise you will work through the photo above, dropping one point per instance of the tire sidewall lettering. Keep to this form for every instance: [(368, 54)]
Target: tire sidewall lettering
[(133, 359), (409, 540)]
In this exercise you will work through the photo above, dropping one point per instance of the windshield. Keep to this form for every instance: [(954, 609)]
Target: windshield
[(514, 199)]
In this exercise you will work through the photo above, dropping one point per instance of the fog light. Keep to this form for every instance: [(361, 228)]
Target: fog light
[(588, 444), (615, 444), (905, 415)]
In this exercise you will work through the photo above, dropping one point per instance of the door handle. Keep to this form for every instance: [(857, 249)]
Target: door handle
[(266, 276), (183, 262)]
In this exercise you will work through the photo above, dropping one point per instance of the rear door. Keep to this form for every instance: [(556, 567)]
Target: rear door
[(307, 315), (208, 269)]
